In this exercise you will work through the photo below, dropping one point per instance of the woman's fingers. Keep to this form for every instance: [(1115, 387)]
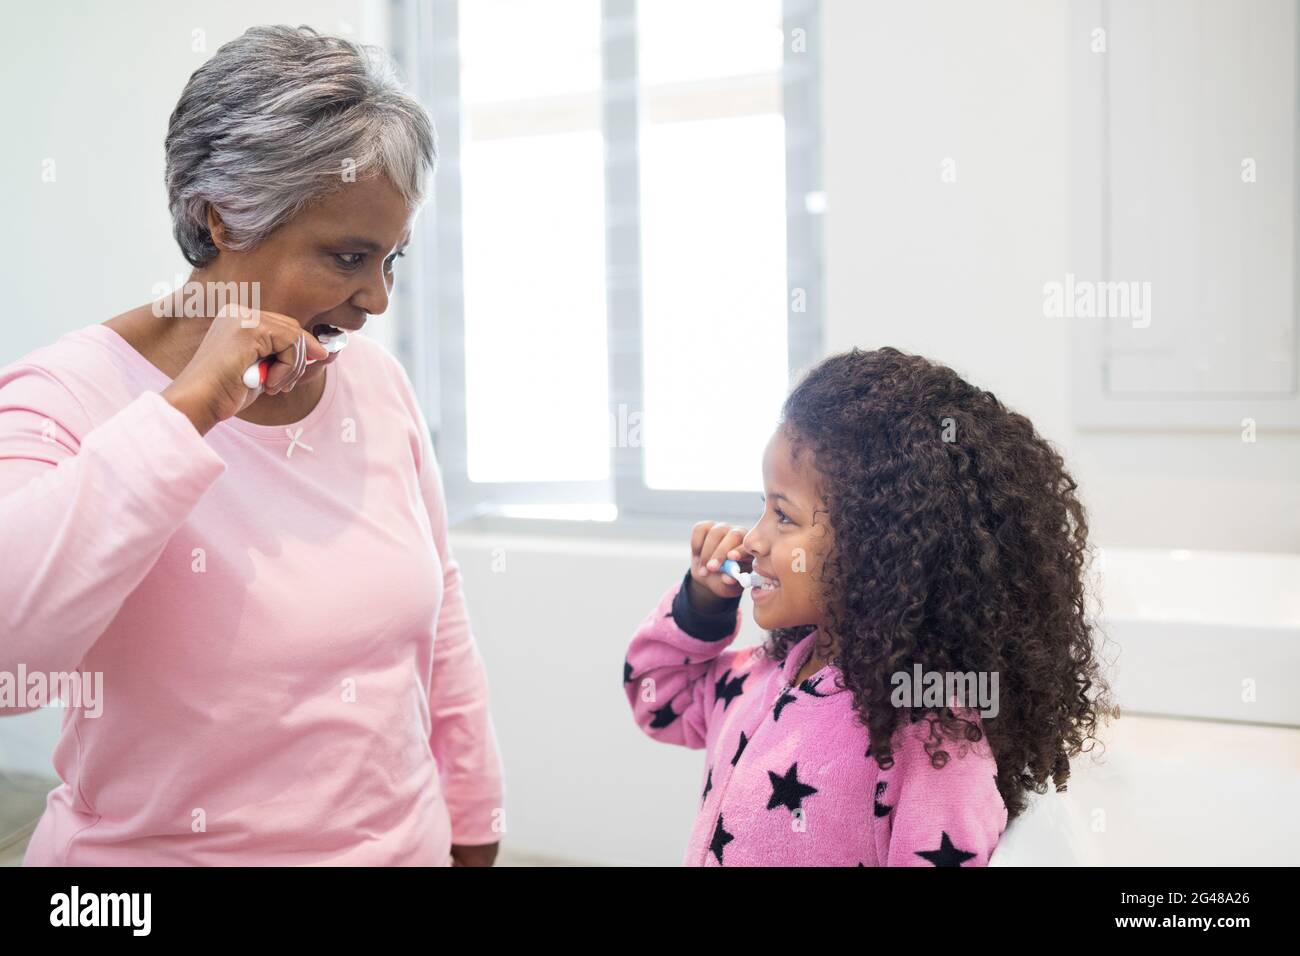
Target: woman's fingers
[(290, 362), (300, 364)]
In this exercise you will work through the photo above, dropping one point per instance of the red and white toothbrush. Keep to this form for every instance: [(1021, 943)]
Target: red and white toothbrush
[(333, 340)]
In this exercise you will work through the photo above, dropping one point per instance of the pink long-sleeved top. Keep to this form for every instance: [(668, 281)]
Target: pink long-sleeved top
[(288, 672), (788, 780)]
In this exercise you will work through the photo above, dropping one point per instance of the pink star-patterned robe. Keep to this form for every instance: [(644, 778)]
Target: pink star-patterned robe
[(787, 780)]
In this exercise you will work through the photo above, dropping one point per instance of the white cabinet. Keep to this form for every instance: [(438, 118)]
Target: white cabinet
[(1184, 200)]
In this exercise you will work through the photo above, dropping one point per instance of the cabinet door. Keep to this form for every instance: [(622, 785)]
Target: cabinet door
[(1184, 193)]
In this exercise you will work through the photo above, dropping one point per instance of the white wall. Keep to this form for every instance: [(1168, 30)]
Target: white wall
[(956, 270)]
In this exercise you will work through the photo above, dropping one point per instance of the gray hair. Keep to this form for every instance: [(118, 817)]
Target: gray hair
[(280, 117)]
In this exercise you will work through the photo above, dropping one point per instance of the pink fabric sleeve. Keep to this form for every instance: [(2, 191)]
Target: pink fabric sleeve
[(671, 678), (84, 512), (463, 737), (947, 816)]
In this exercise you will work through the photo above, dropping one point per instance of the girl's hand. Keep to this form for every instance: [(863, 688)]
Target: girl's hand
[(211, 387), (711, 544)]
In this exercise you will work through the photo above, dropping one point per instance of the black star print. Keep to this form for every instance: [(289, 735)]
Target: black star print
[(729, 690), (788, 791), (880, 809), (663, 717), (741, 749), (809, 687), (946, 855), (627, 672), (708, 785), (786, 698), (720, 839)]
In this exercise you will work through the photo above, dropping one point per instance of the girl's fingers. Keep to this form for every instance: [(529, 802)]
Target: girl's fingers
[(725, 545), (738, 553), (698, 534), (711, 542), (717, 546)]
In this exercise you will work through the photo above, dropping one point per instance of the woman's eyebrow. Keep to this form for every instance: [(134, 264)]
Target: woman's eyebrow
[(368, 245), (358, 242)]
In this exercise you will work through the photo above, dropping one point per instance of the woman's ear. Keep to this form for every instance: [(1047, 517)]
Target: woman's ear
[(216, 228)]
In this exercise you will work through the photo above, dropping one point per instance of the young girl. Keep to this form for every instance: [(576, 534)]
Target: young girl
[(912, 525)]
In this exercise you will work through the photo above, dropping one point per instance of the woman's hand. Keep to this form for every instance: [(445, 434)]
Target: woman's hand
[(484, 855), (211, 387), (711, 544)]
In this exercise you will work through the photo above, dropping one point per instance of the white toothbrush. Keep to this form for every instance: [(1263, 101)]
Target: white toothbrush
[(746, 579), (255, 374)]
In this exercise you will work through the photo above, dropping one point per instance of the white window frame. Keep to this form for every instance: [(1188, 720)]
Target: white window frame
[(431, 320)]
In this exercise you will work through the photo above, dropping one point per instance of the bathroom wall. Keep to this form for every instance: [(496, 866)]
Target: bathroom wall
[(955, 270)]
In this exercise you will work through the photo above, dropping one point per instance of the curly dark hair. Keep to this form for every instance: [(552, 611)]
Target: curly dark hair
[(959, 545)]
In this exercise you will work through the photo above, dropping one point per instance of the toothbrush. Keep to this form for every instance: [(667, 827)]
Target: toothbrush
[(255, 374), (745, 579)]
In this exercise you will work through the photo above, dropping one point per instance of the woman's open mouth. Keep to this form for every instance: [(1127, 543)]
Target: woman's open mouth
[(332, 337), (325, 329)]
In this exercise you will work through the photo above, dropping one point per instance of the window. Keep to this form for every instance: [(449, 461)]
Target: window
[(532, 230), (623, 265)]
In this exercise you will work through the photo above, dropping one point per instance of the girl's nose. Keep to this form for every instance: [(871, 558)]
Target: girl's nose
[(753, 542)]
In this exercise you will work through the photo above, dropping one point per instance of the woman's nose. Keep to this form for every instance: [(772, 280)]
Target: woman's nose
[(373, 298)]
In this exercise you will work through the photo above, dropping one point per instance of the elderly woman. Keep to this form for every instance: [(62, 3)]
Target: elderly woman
[(261, 576)]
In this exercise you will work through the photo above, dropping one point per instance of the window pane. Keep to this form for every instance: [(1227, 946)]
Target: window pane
[(686, 40), (523, 49), (535, 353), (713, 243), (533, 231)]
